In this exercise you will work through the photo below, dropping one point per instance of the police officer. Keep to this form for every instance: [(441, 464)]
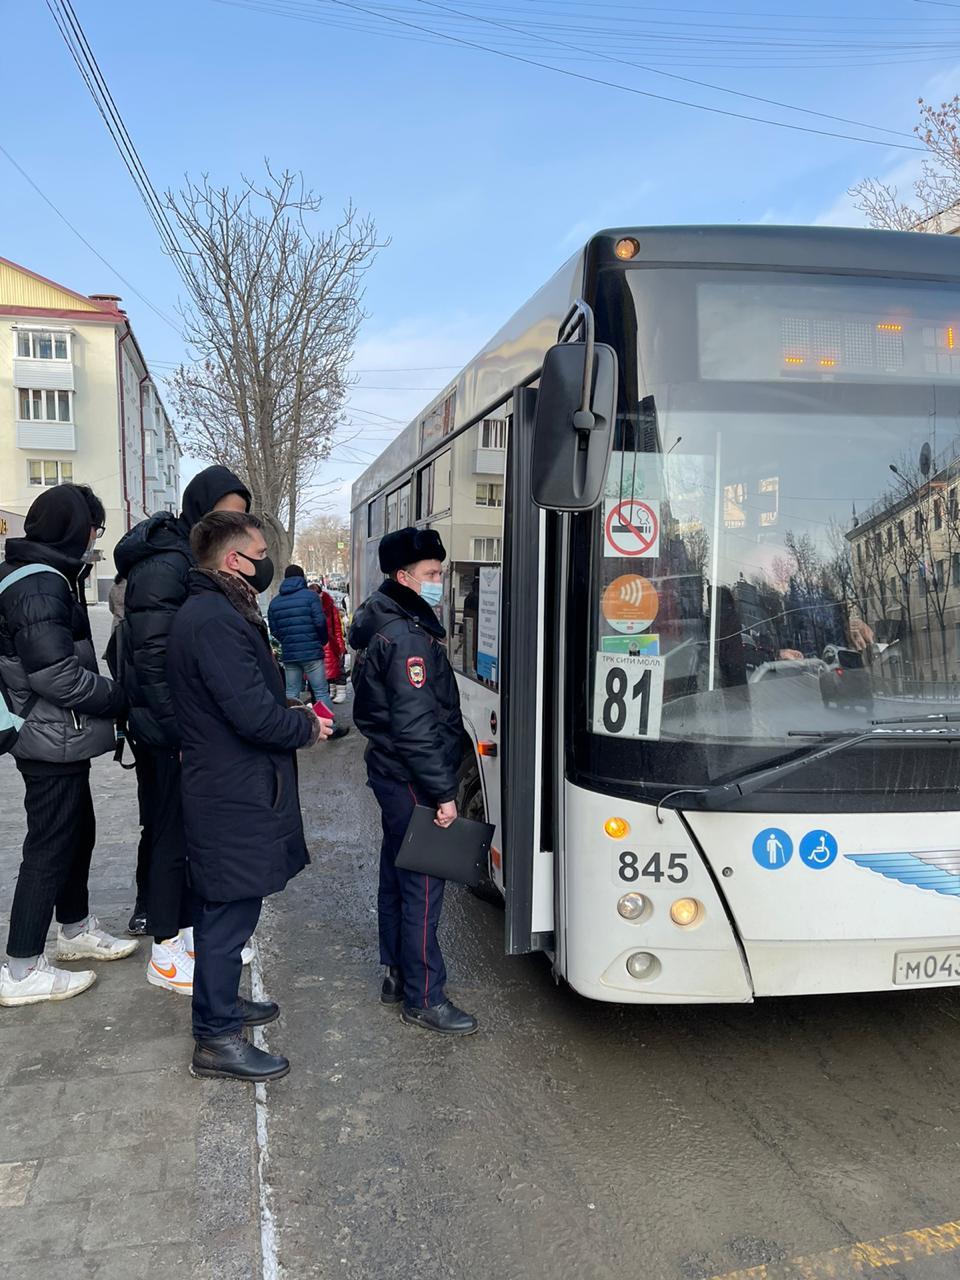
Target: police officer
[(408, 708)]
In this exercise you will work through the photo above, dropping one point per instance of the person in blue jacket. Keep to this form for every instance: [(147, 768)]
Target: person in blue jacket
[(299, 624), (241, 810)]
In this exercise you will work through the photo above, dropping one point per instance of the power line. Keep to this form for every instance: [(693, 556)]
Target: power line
[(752, 97), (79, 47), (608, 84), (83, 239)]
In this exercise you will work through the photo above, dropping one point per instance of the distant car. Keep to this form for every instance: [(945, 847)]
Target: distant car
[(845, 679)]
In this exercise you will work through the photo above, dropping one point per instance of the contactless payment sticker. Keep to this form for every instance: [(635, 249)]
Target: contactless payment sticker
[(629, 604)]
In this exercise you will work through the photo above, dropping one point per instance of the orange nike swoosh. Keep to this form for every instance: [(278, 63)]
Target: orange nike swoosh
[(165, 973)]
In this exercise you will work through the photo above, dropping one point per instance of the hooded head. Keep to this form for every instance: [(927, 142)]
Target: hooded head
[(58, 526), (206, 489)]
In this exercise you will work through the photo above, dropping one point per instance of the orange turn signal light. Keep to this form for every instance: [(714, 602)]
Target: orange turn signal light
[(487, 748), (626, 248), (617, 828)]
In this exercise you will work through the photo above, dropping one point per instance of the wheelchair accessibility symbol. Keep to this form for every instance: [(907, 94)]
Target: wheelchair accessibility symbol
[(772, 848), (818, 849)]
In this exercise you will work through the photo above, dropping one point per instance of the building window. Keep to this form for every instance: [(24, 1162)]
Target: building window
[(486, 549), (44, 406), (937, 514), (878, 544), (941, 576), (893, 588), (918, 523), (956, 568), (901, 532), (41, 344), (860, 555), (889, 537), (493, 433), (489, 494), (49, 473)]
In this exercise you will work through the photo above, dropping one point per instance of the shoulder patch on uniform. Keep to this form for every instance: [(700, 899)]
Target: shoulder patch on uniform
[(417, 672)]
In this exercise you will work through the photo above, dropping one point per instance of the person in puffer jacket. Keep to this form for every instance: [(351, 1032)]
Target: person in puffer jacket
[(297, 620), (156, 560), (49, 670)]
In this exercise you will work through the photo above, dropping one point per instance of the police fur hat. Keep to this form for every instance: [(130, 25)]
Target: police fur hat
[(404, 547)]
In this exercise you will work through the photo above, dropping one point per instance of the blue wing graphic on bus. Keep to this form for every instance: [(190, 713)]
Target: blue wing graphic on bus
[(937, 870)]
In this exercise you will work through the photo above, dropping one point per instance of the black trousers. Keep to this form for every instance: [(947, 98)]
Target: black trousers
[(161, 811), (61, 833), (143, 852), (408, 903), (220, 931)]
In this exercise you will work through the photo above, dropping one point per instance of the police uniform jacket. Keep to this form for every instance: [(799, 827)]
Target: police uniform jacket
[(407, 704)]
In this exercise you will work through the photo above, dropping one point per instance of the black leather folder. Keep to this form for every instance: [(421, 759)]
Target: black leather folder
[(458, 852)]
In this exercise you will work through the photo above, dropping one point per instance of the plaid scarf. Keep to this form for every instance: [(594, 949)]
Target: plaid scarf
[(243, 598)]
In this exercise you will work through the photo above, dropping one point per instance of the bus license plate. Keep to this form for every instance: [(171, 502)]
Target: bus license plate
[(926, 966)]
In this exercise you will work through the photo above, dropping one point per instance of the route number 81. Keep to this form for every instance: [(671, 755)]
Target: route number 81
[(628, 695)]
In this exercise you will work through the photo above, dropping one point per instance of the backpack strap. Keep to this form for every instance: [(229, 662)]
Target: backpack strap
[(27, 571)]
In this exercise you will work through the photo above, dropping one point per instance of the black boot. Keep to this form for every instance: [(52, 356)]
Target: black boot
[(137, 924), (231, 1057), (392, 990), (445, 1018), (257, 1013)]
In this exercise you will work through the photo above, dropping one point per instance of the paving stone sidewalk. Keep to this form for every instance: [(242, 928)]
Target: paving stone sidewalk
[(114, 1161)]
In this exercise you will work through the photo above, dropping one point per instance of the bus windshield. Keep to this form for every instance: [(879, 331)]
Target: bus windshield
[(778, 547)]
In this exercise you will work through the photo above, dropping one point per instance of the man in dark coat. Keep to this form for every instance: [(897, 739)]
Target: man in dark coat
[(156, 559), (49, 670), (407, 706), (298, 623), (241, 810)]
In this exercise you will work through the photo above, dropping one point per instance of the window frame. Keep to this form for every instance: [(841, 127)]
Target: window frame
[(29, 395), (55, 335), (42, 464)]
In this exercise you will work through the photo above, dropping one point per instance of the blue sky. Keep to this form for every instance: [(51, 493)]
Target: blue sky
[(484, 172)]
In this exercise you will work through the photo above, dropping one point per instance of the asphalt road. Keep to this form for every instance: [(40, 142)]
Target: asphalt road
[(572, 1139)]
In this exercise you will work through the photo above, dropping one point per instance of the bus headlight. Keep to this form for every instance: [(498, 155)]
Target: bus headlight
[(632, 906), (686, 912), (641, 964)]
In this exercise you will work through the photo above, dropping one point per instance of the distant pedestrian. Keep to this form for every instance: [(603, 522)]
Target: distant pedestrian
[(297, 619), (115, 599), (156, 558), (49, 669), (407, 706), (240, 804), (336, 646)]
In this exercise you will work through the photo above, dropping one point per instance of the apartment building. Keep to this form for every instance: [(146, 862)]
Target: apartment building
[(77, 402)]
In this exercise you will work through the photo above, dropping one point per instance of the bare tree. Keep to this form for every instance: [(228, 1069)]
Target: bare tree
[(323, 545), (274, 310), (935, 191)]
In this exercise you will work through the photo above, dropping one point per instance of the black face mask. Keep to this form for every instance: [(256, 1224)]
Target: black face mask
[(262, 574)]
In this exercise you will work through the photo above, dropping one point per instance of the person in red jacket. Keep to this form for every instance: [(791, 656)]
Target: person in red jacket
[(336, 646)]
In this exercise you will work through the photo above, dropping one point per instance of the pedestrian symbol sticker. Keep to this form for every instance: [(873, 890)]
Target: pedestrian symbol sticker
[(630, 603), (818, 849), (631, 528), (772, 848)]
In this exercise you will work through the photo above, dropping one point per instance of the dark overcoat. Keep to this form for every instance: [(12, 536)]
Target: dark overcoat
[(241, 809)]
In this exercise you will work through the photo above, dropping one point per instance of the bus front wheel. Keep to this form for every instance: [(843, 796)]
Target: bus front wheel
[(470, 805)]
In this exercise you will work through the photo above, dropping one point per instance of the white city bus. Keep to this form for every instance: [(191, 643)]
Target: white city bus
[(705, 611)]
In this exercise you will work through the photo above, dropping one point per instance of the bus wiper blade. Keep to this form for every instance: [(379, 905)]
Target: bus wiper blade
[(724, 793), (919, 719)]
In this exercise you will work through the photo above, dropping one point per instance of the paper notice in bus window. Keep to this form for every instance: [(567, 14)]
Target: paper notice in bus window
[(628, 695), (488, 623)]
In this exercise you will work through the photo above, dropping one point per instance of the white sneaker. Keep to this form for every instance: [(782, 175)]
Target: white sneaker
[(341, 694), (43, 982), (246, 955), (170, 967), (185, 939), (94, 944)]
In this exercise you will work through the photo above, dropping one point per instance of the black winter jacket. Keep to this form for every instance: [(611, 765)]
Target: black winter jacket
[(155, 558), (241, 810), (407, 703), (46, 647)]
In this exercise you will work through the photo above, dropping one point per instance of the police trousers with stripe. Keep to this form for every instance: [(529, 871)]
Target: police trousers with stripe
[(408, 903)]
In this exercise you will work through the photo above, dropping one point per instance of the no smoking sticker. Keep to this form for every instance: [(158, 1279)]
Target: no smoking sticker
[(631, 528)]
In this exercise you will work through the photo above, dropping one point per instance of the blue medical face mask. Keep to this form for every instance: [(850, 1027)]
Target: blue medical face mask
[(431, 593)]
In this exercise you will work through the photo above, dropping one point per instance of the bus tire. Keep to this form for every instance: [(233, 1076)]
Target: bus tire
[(470, 805)]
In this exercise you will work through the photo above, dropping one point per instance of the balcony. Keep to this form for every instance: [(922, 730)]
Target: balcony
[(43, 375), (489, 462), (46, 435), (151, 467)]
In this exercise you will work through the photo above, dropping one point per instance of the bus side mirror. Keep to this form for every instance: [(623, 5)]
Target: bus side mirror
[(573, 426)]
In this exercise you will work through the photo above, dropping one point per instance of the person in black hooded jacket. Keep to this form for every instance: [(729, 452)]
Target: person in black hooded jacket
[(49, 671), (407, 706), (155, 558)]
